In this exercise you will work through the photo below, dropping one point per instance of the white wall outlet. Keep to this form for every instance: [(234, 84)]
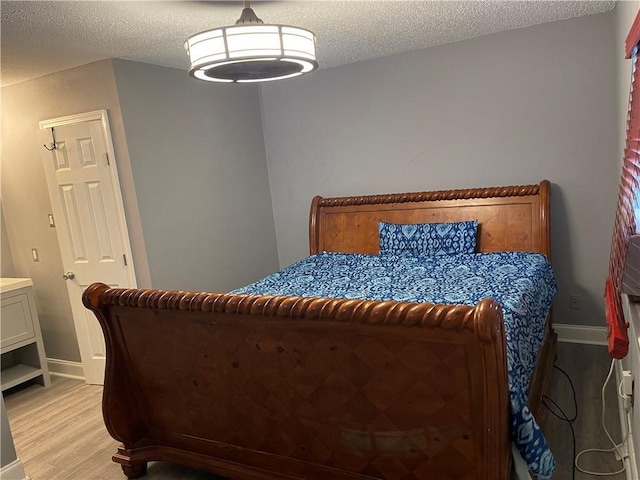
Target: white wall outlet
[(574, 301), (621, 452), (626, 389), (627, 382)]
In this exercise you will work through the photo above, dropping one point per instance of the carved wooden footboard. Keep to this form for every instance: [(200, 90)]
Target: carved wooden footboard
[(263, 387), (286, 387)]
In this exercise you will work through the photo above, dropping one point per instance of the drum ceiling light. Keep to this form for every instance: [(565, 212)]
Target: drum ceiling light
[(251, 51)]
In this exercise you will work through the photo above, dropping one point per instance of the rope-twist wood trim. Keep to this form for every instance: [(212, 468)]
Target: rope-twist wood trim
[(464, 194), (485, 318)]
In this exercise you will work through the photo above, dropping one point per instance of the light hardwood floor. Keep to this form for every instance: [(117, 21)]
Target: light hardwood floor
[(59, 433), (587, 365)]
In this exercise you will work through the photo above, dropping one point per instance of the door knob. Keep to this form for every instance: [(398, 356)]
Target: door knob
[(69, 276)]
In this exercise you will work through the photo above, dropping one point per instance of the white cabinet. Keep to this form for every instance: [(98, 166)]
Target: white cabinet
[(21, 346)]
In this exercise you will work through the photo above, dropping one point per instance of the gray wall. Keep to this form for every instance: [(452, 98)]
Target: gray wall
[(503, 109), (6, 262), (197, 153), (25, 199)]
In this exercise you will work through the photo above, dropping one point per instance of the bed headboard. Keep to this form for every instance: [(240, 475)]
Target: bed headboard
[(512, 218)]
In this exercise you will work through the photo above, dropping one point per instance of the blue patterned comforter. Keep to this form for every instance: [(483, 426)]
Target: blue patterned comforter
[(522, 283)]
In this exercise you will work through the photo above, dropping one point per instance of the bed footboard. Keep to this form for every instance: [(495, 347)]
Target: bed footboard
[(304, 388)]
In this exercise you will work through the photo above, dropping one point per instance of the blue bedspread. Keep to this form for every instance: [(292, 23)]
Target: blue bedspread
[(522, 283)]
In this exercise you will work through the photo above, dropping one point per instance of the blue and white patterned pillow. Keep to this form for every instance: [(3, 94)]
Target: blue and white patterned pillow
[(428, 239)]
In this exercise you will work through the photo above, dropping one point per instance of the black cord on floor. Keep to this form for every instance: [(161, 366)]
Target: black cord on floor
[(563, 416)]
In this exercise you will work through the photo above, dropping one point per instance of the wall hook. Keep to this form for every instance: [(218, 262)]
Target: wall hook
[(53, 145)]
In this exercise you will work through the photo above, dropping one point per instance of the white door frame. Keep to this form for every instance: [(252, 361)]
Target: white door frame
[(102, 116)]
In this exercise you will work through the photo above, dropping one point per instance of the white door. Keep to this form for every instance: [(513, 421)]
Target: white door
[(87, 205)]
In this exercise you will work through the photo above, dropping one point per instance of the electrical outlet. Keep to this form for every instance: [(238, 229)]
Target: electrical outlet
[(627, 382), (621, 452), (626, 390), (574, 301)]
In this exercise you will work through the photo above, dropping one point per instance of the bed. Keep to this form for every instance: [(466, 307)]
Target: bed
[(283, 386)]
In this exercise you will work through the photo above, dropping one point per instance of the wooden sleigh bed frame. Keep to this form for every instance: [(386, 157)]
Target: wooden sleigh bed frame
[(263, 387)]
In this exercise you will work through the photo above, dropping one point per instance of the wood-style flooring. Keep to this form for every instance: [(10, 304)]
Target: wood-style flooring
[(587, 366), (59, 434)]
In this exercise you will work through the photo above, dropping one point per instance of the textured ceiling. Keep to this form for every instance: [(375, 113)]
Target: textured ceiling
[(41, 37)]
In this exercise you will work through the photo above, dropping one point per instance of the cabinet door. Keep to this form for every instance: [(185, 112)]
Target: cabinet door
[(17, 324)]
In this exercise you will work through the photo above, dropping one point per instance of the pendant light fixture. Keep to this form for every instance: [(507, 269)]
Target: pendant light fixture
[(251, 51)]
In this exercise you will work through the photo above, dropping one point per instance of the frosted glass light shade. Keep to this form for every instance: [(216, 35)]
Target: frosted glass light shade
[(251, 53)]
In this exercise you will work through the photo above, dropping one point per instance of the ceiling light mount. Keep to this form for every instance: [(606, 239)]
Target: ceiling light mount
[(248, 16), (251, 51)]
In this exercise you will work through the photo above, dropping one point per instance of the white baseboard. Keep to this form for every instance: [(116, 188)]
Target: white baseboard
[(631, 467), (581, 334), (13, 471), (65, 368)]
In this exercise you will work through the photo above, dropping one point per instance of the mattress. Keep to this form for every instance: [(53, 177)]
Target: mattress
[(523, 283)]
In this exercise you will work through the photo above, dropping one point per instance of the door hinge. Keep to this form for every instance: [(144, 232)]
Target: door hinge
[(124, 259), (106, 155)]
